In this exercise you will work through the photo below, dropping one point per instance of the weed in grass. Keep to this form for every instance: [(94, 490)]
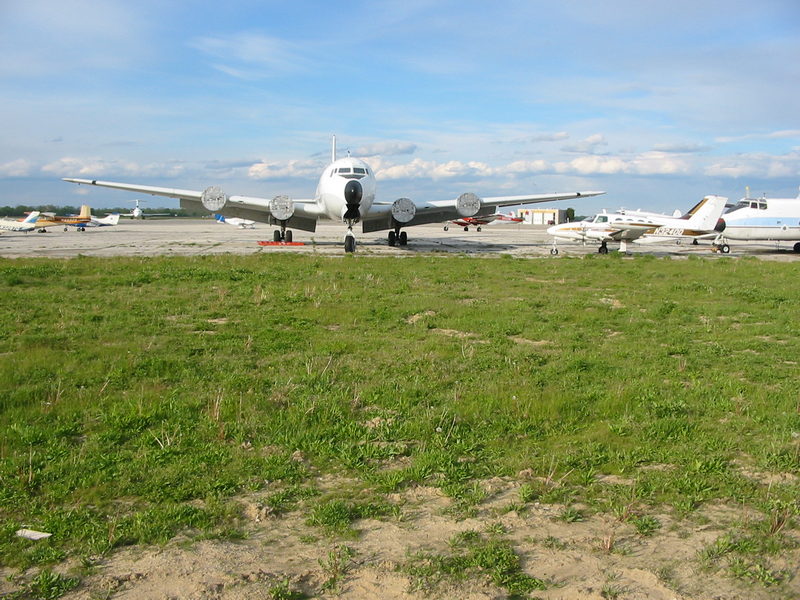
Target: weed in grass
[(473, 554), (47, 585), (571, 515), (283, 591), (335, 566), (645, 525)]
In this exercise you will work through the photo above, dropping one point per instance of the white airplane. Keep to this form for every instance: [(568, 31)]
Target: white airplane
[(345, 193), (625, 226), (755, 219), (106, 221), (27, 224), (138, 213), (240, 223)]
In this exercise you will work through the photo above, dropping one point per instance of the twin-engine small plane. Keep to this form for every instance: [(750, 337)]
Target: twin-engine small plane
[(625, 226), (346, 192)]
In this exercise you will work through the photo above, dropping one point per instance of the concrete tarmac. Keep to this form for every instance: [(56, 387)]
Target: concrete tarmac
[(188, 237)]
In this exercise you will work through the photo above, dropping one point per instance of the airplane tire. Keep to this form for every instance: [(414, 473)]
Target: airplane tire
[(446, 228), (392, 238), (289, 236), (554, 251), (349, 244), (466, 228), (276, 236), (478, 229), (725, 249), (403, 238), (603, 249), (797, 247)]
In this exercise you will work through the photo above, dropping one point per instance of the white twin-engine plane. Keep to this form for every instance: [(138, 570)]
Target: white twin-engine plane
[(345, 193)]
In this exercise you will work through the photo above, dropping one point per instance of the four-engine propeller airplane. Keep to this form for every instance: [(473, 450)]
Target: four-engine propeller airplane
[(752, 219), (625, 226), (345, 193)]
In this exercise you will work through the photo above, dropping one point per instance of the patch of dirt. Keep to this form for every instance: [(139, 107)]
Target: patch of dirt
[(594, 558)]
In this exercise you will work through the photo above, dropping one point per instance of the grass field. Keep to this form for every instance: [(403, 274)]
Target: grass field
[(138, 397)]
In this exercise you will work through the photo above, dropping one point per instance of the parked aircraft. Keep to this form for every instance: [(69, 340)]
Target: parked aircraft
[(27, 224), (52, 220), (468, 222), (138, 213), (345, 193), (106, 221), (625, 226), (240, 223), (753, 219)]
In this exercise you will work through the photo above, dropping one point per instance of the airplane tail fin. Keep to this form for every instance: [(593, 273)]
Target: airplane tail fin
[(219, 218), (112, 219), (705, 214), (31, 218), (86, 212), (333, 149)]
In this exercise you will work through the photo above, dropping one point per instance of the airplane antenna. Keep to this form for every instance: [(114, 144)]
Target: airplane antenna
[(333, 149), (747, 192)]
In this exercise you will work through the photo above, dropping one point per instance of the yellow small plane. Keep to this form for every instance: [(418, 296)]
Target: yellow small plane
[(52, 220)]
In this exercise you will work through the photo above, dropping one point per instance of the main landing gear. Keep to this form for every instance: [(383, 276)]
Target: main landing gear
[(603, 249), (282, 235), (719, 245), (398, 237)]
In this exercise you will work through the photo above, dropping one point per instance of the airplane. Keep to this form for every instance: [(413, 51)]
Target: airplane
[(467, 222), (138, 213), (754, 219), (27, 224), (106, 221), (625, 226), (345, 193), (51, 220), (240, 223)]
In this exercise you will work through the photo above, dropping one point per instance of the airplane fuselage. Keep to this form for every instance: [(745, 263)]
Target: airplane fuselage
[(764, 219), (346, 190)]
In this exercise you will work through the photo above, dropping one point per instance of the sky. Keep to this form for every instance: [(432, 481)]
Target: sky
[(657, 103)]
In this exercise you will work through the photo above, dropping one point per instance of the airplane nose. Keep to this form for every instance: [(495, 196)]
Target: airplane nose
[(353, 193)]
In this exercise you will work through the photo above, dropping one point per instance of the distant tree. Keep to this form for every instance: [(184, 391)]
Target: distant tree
[(570, 214)]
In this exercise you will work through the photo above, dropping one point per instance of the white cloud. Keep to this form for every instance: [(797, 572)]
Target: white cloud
[(16, 168), (70, 166), (757, 165), (252, 56), (307, 169), (773, 135), (588, 145)]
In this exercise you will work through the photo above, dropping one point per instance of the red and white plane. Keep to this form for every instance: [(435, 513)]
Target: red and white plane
[(477, 222), (345, 193)]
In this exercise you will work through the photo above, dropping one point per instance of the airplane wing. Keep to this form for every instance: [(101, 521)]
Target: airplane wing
[(306, 212), (466, 205)]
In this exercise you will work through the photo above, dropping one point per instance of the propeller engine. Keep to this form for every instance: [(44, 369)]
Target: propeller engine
[(468, 204), (403, 210), (213, 198)]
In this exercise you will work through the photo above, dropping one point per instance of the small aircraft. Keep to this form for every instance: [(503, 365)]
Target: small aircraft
[(756, 219), (468, 222), (625, 226), (138, 213), (26, 224), (240, 223), (106, 221), (52, 220), (345, 193)]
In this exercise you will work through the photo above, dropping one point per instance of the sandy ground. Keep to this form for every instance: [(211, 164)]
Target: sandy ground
[(205, 236), (599, 557)]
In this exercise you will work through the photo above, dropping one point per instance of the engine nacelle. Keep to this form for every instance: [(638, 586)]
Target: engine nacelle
[(468, 204), (403, 210), (213, 198), (281, 207)]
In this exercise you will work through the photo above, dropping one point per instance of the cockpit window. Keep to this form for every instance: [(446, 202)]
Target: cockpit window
[(601, 219), (359, 170), (344, 169)]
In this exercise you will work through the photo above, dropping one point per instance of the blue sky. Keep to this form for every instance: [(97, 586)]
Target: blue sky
[(656, 103)]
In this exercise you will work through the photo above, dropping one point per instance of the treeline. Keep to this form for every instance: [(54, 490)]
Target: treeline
[(21, 209)]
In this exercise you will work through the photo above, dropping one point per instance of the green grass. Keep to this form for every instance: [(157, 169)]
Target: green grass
[(139, 395)]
